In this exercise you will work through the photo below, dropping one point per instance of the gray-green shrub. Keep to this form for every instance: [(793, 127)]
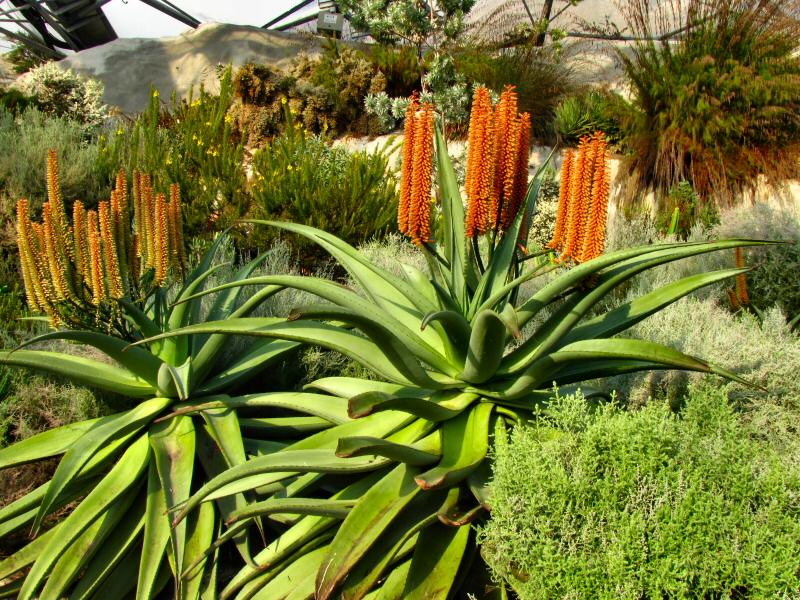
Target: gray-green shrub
[(646, 504)]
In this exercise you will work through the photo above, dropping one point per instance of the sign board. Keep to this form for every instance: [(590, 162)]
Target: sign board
[(329, 21)]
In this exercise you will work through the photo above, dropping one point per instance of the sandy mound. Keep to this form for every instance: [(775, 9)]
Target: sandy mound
[(128, 66)]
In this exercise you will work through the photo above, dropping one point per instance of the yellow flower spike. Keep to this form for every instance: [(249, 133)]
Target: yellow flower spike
[(741, 282), (148, 224), (161, 240), (54, 262), (30, 275), (98, 284), (563, 200), (115, 287), (480, 164), (406, 177), (81, 244), (176, 225)]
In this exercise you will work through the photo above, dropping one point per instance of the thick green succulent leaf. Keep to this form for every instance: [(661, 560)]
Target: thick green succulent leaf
[(348, 387), (298, 535), (394, 585), (424, 453), (111, 552), (28, 554), (296, 580), (138, 361), (455, 328), (460, 508), (77, 369), (548, 335), (256, 359), (403, 347), (283, 427), (173, 444), (583, 353), (631, 313), (376, 509), (122, 479), (452, 232), (92, 441), (81, 550), (391, 293), (156, 536), (48, 443), (200, 536), (486, 345), (439, 406), (338, 509), (582, 272), (350, 344), (146, 326), (436, 562), (330, 408), (465, 442)]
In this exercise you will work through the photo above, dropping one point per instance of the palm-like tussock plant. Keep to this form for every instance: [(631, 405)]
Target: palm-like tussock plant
[(77, 272), (388, 490)]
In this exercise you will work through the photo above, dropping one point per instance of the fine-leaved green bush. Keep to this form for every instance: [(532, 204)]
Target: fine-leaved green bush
[(587, 112), (301, 177), (646, 504), (718, 107)]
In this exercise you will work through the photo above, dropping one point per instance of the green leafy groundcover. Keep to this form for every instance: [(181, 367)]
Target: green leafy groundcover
[(645, 504)]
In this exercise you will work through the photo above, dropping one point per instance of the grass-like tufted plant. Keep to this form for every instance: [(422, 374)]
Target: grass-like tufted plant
[(396, 487)]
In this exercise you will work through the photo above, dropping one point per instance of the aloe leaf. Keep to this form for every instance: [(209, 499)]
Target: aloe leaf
[(199, 537), (439, 406), (455, 328), (298, 535), (387, 336), (486, 345), (629, 314), (337, 509), (284, 427), (559, 325), (111, 552), (465, 442), (296, 580), (334, 338), (376, 509), (138, 361), (330, 408), (394, 586), (156, 535), (82, 549), (417, 456), (28, 554), (48, 443), (436, 562), (173, 444), (347, 387), (80, 370), (122, 477), (453, 514), (397, 542), (256, 359), (91, 442)]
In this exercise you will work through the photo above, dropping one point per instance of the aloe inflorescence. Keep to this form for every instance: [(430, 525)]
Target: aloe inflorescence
[(73, 272)]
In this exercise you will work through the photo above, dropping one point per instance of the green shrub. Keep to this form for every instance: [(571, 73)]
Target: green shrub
[(301, 178), (24, 58), (259, 92), (63, 93), (588, 112), (719, 108), (400, 66), (613, 504), (683, 209), (191, 145), (14, 101), (25, 141)]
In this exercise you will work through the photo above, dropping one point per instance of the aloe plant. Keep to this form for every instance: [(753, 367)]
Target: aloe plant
[(396, 488), (124, 470)]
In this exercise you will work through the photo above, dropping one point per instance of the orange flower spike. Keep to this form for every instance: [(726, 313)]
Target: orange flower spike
[(161, 240), (594, 243), (176, 225), (570, 245), (480, 164), (500, 150), (148, 240), (741, 282), (115, 286), (563, 199), (52, 257), (511, 158), (591, 149), (98, 284), (419, 226), (521, 175), (407, 176)]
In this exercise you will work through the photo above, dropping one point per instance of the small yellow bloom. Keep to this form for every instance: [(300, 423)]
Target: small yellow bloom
[(289, 168), (120, 131), (283, 100), (228, 119), (169, 160)]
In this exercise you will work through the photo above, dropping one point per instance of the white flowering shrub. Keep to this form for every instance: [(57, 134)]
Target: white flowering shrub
[(64, 93)]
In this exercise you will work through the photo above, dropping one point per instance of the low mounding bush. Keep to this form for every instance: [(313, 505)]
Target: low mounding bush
[(63, 93), (301, 178), (647, 504), (719, 107)]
